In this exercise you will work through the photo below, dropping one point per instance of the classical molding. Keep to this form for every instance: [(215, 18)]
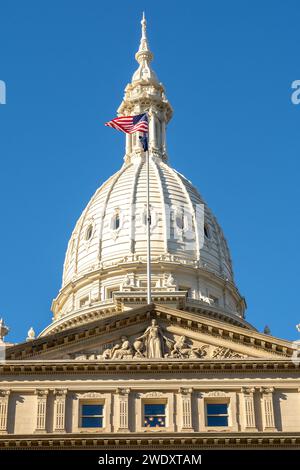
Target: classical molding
[(215, 394), (244, 440), (152, 395), (236, 336), (223, 367), (90, 395)]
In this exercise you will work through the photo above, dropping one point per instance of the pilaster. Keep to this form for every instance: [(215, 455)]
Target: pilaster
[(41, 411), (249, 423), (186, 409), (4, 399), (60, 410), (123, 409), (267, 408)]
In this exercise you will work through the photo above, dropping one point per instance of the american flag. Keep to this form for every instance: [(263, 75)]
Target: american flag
[(130, 124)]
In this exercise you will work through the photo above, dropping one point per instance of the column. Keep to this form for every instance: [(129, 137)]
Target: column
[(4, 397), (41, 411), (186, 409), (122, 408), (163, 136), (152, 130), (267, 409), (128, 144), (60, 410), (249, 410)]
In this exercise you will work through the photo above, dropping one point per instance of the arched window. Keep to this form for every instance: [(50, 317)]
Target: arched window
[(89, 232), (116, 220), (206, 231), (180, 219)]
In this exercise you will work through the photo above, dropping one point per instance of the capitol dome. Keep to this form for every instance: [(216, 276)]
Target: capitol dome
[(105, 264)]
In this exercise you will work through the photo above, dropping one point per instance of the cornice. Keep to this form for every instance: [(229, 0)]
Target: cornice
[(189, 321), (225, 366), (121, 299), (181, 440)]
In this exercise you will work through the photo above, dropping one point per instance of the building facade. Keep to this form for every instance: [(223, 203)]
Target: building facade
[(186, 371)]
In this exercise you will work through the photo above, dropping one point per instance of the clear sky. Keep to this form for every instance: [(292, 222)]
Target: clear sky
[(227, 67)]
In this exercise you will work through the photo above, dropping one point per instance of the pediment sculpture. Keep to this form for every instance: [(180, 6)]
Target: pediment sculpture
[(153, 344)]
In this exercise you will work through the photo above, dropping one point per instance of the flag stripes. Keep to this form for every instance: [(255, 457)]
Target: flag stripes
[(130, 124)]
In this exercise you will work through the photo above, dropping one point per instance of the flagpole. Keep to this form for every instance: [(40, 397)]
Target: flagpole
[(148, 230)]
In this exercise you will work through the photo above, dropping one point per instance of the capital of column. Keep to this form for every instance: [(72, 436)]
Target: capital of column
[(266, 390), (60, 393), (122, 391), (185, 391), (41, 393), (248, 390)]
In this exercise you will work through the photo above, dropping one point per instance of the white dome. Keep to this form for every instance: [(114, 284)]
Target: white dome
[(96, 243), (105, 264)]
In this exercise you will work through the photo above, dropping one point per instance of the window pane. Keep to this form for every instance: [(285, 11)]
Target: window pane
[(154, 409), (155, 421), (217, 421), (91, 410), (217, 408), (92, 422)]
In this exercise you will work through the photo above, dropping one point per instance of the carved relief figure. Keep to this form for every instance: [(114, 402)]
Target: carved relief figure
[(154, 341), (225, 353), (119, 351), (182, 350)]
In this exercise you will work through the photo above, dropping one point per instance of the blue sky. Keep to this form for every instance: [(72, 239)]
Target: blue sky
[(227, 67)]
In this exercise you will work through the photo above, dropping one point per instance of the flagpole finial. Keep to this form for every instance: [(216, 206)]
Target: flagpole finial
[(144, 26), (144, 53)]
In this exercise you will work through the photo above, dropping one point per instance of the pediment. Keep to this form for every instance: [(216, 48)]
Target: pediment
[(151, 333), (154, 340)]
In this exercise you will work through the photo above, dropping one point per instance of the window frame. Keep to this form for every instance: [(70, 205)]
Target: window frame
[(87, 403), (109, 291), (207, 232), (227, 415), (155, 402)]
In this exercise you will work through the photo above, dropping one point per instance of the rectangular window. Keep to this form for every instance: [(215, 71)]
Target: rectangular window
[(187, 289), (217, 414), (91, 416), (154, 415), (110, 291)]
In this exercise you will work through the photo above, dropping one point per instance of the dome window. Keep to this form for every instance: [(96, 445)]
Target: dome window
[(180, 220), (116, 222), (89, 232), (207, 231)]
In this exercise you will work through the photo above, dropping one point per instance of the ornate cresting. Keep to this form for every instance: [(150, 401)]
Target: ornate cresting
[(146, 94)]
